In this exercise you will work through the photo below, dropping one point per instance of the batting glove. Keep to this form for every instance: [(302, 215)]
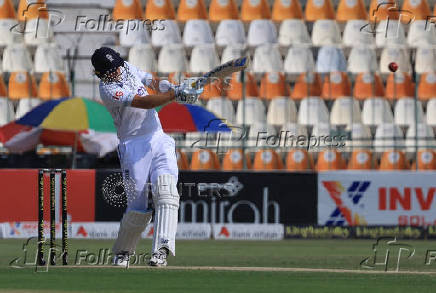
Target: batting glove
[(186, 94)]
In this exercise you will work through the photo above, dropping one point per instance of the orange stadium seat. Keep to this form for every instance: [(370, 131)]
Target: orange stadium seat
[(234, 90), (419, 9), (182, 160), (393, 160), (336, 85), (427, 86), (403, 87), (267, 160), (351, 10), (213, 90), (426, 160), (233, 160), (20, 86), (53, 86), (307, 84), (189, 9), (330, 160), (319, 9), (368, 85), (255, 9), (299, 160), (287, 9), (159, 9), (221, 10), (7, 10), (273, 84), (127, 10), (3, 90), (204, 160), (382, 10), (178, 77), (361, 160)]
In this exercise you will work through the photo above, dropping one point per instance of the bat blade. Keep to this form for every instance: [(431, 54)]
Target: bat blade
[(221, 71)]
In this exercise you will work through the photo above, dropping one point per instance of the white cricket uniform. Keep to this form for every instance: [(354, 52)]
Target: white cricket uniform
[(145, 151)]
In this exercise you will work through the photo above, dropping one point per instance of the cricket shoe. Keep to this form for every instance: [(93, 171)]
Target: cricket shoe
[(121, 260), (159, 258)]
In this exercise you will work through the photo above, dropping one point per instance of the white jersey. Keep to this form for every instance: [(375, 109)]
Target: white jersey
[(117, 96)]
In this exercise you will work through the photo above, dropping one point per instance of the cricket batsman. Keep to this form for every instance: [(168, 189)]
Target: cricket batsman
[(145, 151)]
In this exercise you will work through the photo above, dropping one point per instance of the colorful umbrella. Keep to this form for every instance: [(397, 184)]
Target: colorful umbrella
[(177, 117), (81, 123)]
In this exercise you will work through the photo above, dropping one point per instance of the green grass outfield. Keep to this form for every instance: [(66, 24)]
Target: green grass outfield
[(228, 266)]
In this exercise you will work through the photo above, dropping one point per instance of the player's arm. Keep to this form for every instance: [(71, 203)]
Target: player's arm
[(152, 101)]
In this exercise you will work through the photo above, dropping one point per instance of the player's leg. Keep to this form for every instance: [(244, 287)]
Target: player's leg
[(135, 157), (164, 174)]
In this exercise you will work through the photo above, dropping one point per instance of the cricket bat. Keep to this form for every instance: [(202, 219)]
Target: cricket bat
[(221, 71)]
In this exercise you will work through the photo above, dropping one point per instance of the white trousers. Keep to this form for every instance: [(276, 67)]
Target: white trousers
[(145, 158)]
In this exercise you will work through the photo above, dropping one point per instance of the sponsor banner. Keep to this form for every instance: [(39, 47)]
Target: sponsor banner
[(233, 197), (19, 198), (431, 232), (248, 231), (317, 232), (109, 230), (376, 198), (354, 232), (27, 229)]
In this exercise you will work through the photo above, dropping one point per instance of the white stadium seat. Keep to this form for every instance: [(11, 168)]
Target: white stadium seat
[(223, 108), (425, 60), (203, 58), (17, 58), (362, 59), (267, 58), (170, 35), (398, 55), (421, 34), (407, 112), (232, 52), (325, 32), (6, 111), (321, 130), (345, 111), (143, 57), (330, 59), (9, 37), (172, 58), (258, 134), (376, 111), (261, 31), (299, 60), (38, 31), (129, 38), (229, 32), (390, 33), (431, 112), (48, 58), (197, 32), (25, 105), (289, 134), (281, 110), (360, 135), (312, 111), (356, 34), (293, 32), (254, 111), (426, 138), (388, 137)]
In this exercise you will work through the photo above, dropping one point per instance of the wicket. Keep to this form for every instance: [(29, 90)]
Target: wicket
[(41, 240)]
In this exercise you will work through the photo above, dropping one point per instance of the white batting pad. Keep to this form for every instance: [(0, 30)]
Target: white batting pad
[(166, 202), (131, 227)]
